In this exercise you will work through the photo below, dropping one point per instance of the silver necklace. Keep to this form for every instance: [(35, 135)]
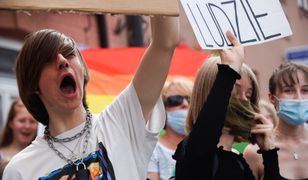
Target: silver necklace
[(50, 141), (72, 156), (68, 139)]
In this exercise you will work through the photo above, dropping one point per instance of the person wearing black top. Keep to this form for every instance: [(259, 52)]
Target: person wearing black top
[(206, 152)]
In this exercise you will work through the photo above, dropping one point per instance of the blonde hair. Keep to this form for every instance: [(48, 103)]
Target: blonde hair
[(180, 83), (204, 83)]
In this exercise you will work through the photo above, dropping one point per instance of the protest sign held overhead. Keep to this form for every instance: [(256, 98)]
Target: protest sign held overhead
[(252, 21), (129, 7)]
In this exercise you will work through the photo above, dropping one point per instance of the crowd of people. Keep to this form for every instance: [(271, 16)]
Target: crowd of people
[(204, 118)]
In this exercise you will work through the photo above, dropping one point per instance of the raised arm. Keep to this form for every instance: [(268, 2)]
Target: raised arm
[(152, 72), (204, 137)]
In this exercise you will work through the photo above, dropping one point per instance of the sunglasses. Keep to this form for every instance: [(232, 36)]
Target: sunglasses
[(176, 100)]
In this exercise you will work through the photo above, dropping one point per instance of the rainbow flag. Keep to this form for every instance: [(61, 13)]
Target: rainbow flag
[(112, 69)]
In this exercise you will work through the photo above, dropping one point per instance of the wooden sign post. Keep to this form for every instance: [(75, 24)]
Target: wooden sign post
[(129, 7)]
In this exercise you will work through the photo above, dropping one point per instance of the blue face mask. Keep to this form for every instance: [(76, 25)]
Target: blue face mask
[(293, 111), (176, 121)]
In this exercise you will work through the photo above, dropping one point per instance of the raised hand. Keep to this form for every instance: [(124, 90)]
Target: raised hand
[(234, 57), (264, 131)]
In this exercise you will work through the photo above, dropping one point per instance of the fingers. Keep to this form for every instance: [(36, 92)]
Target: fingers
[(261, 119), (262, 126), (262, 129), (232, 38)]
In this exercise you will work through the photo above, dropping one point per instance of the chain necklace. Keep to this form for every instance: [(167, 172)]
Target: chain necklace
[(68, 139), (87, 129), (72, 156)]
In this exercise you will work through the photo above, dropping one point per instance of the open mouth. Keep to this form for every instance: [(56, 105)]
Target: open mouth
[(68, 85), (26, 133)]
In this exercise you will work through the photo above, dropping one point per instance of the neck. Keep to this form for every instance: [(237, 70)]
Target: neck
[(63, 121), (289, 132), (14, 148), (226, 140), (171, 139)]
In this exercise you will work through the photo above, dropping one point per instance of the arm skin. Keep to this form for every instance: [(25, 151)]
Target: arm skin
[(154, 67), (153, 175), (254, 160)]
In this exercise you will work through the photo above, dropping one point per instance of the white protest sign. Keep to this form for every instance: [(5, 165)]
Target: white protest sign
[(252, 21)]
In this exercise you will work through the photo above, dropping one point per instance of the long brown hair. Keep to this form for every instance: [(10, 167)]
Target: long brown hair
[(7, 134), (203, 84)]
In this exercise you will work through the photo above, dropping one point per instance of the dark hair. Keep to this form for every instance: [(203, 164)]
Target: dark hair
[(7, 135), (286, 74), (40, 48)]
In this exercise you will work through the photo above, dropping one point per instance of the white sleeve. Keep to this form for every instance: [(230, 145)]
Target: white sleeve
[(126, 110), (10, 172), (125, 127), (153, 165)]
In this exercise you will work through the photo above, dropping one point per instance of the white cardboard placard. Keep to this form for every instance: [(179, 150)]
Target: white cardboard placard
[(252, 21)]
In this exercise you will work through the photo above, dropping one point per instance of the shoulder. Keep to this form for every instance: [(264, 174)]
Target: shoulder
[(37, 147), (127, 100), (250, 152), (20, 164), (12, 171)]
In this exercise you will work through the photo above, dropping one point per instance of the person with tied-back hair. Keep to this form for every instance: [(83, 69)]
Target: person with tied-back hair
[(116, 144), (215, 121), (288, 92)]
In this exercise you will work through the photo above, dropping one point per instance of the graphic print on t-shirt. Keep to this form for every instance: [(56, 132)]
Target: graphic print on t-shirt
[(97, 163)]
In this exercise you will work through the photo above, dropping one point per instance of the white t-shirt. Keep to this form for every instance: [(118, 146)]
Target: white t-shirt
[(162, 163), (120, 128)]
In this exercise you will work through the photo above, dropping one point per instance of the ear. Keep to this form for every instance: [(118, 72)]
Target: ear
[(273, 100)]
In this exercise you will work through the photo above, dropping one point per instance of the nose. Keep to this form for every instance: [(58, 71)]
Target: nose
[(298, 94), (242, 96), (62, 62), (185, 103), (27, 125)]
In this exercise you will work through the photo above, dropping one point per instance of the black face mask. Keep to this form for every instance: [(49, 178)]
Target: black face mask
[(240, 120)]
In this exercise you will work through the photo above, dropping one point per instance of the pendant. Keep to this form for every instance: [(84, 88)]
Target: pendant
[(295, 155), (83, 173), (73, 157)]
